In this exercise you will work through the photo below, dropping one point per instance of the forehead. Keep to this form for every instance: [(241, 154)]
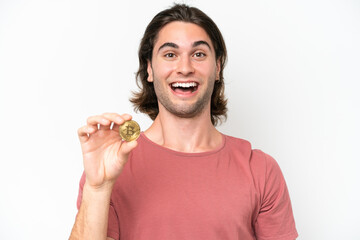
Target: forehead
[(182, 33)]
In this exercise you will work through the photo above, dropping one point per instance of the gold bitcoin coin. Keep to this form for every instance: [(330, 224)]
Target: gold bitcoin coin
[(129, 130)]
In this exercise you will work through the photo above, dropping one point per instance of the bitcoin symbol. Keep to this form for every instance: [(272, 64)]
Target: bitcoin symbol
[(129, 130)]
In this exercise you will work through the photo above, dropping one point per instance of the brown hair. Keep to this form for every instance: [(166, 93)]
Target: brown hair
[(145, 100)]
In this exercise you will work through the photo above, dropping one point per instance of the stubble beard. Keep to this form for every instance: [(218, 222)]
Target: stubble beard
[(184, 110)]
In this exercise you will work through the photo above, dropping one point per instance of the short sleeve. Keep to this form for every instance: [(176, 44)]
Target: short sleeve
[(113, 222), (275, 220)]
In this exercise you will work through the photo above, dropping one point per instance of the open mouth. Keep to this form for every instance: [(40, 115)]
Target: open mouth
[(184, 87)]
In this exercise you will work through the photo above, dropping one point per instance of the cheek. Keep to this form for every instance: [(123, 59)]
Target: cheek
[(163, 70), (208, 70)]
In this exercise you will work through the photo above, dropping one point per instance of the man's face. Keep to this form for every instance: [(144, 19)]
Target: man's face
[(183, 69)]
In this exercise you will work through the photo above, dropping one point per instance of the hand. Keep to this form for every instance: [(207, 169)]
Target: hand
[(104, 152)]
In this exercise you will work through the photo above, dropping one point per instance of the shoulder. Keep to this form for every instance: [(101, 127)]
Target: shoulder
[(261, 164), (264, 160), (256, 156), (265, 170), (238, 146), (237, 142)]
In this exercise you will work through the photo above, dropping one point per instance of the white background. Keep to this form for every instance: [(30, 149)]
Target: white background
[(292, 80)]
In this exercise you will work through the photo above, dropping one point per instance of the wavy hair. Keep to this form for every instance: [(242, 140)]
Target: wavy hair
[(145, 99)]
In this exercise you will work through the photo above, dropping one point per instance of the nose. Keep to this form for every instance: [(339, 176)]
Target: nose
[(184, 66)]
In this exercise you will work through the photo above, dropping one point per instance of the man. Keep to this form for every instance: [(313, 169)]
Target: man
[(182, 179)]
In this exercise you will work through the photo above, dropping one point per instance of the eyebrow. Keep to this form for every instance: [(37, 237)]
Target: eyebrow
[(174, 45), (168, 44), (201, 42)]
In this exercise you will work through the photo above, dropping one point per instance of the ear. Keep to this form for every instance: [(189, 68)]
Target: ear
[(149, 71), (218, 68)]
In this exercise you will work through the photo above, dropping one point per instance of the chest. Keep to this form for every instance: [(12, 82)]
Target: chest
[(211, 193)]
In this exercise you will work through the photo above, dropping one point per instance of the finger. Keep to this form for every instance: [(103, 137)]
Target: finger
[(127, 147), (117, 118), (116, 126), (105, 125), (114, 118), (126, 117), (84, 133), (98, 120)]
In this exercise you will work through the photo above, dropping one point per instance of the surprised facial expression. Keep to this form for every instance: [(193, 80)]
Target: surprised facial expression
[(183, 69)]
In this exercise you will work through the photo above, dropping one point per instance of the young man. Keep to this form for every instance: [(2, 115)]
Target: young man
[(182, 179)]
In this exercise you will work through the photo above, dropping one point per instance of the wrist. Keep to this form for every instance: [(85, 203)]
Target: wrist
[(103, 189), (92, 218)]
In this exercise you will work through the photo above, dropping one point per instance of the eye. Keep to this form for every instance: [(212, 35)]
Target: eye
[(199, 54), (169, 55)]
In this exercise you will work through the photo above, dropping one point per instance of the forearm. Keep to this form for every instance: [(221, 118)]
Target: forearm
[(92, 219)]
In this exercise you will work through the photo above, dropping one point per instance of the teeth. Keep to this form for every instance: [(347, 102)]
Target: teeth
[(184, 85)]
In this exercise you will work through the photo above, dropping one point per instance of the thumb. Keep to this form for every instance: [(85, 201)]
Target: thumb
[(127, 147)]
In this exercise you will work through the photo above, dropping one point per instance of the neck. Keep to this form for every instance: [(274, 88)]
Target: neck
[(184, 134)]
